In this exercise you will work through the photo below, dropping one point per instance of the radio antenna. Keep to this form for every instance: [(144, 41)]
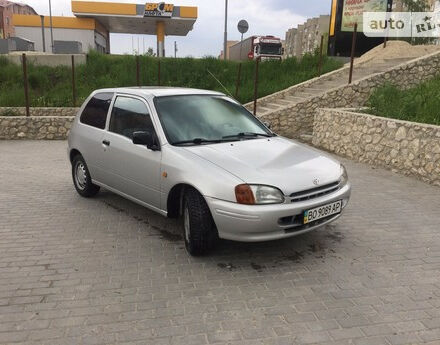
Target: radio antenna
[(218, 81)]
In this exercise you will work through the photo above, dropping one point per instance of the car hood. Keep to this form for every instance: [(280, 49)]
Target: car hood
[(280, 162)]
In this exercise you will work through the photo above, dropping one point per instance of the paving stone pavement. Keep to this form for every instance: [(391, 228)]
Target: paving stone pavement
[(106, 271)]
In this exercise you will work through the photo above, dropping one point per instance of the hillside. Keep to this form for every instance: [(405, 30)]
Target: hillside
[(52, 87)]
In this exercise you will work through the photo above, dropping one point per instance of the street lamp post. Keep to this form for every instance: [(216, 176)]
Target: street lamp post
[(225, 43), (51, 26)]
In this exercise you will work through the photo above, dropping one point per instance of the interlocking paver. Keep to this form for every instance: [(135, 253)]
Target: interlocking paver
[(107, 271)]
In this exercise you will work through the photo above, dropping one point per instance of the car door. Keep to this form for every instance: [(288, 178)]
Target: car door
[(132, 169), (91, 130)]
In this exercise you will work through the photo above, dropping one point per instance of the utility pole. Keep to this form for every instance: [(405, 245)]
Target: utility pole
[(51, 26), (42, 32), (225, 44), (175, 49)]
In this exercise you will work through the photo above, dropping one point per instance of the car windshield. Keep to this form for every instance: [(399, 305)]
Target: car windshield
[(206, 119)]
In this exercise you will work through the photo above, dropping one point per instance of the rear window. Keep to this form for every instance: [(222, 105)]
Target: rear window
[(95, 112)]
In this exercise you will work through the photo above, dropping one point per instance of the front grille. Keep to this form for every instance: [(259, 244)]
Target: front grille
[(314, 192), (296, 228)]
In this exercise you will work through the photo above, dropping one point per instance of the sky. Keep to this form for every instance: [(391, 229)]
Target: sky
[(265, 17)]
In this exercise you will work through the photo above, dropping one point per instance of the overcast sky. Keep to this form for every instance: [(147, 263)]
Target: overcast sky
[(266, 17)]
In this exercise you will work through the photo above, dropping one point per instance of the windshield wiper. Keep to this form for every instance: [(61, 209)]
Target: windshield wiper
[(248, 134), (198, 141)]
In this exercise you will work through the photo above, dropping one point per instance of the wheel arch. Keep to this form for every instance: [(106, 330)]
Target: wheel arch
[(175, 199), (73, 153)]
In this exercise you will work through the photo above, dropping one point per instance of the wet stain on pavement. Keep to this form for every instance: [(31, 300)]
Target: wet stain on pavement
[(168, 235), (257, 267), (228, 266)]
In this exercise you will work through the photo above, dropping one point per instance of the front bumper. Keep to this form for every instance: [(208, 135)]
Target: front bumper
[(256, 223)]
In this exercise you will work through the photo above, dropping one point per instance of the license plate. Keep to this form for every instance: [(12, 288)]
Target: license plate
[(322, 211)]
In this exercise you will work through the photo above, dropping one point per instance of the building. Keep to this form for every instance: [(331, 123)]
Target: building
[(94, 21), (306, 37), (7, 10), (229, 44)]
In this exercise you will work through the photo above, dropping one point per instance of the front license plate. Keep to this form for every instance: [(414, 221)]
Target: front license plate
[(322, 211)]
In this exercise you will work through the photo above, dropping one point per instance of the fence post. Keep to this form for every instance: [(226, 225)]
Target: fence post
[(320, 56), (26, 86), (257, 63), (353, 49), (237, 86), (158, 71), (73, 82), (138, 77)]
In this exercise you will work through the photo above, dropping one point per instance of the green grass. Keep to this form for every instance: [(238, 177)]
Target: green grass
[(52, 87), (418, 104)]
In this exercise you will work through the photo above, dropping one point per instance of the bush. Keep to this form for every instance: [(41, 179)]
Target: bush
[(419, 104)]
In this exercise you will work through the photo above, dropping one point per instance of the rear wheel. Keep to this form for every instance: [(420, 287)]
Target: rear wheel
[(81, 178), (198, 225)]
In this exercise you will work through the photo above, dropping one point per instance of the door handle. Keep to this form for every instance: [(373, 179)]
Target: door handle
[(106, 142)]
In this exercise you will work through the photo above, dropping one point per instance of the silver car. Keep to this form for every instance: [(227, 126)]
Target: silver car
[(202, 156)]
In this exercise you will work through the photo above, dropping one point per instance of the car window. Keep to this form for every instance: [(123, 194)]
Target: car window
[(95, 112), (130, 115)]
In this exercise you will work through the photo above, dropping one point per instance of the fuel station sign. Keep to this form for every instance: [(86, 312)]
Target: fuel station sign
[(160, 9)]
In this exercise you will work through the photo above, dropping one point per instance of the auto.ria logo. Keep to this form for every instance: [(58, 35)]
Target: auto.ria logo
[(401, 24)]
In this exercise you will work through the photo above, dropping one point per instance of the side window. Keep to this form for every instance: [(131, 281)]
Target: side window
[(95, 112), (130, 115)]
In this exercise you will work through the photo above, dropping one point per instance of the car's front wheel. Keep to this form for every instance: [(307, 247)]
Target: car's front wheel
[(81, 178), (198, 226)]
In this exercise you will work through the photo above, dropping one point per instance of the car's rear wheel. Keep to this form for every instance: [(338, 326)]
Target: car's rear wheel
[(198, 226), (81, 178)]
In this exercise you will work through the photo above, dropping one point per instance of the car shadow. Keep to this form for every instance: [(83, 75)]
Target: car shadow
[(229, 255)]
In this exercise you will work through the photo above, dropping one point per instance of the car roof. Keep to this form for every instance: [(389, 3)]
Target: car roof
[(159, 91)]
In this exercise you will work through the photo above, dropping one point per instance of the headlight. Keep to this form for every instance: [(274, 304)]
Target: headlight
[(344, 176), (258, 194)]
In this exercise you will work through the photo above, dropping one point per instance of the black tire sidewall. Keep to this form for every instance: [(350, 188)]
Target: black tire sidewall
[(201, 224)]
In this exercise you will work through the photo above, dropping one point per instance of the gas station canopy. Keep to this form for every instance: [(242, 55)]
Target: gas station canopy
[(161, 19)]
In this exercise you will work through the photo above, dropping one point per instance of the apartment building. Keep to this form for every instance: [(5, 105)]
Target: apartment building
[(306, 37), (7, 10)]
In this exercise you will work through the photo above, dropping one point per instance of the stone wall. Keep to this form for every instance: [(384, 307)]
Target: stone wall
[(35, 127), (405, 147), (297, 120)]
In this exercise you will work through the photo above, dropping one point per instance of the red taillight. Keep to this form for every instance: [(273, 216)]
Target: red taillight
[(244, 194)]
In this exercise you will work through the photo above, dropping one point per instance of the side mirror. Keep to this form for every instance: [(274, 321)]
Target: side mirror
[(148, 139), (267, 124)]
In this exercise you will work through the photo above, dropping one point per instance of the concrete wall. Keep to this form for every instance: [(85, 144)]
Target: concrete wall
[(48, 59), (86, 37), (405, 147)]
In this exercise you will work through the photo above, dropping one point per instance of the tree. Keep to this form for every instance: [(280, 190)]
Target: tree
[(150, 52), (416, 5)]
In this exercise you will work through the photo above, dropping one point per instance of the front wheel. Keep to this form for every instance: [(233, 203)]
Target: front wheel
[(81, 178), (198, 225)]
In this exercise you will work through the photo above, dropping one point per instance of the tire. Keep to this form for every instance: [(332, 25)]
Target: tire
[(81, 178), (199, 230)]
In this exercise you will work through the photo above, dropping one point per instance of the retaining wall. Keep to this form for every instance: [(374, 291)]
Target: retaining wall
[(406, 147), (297, 120)]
